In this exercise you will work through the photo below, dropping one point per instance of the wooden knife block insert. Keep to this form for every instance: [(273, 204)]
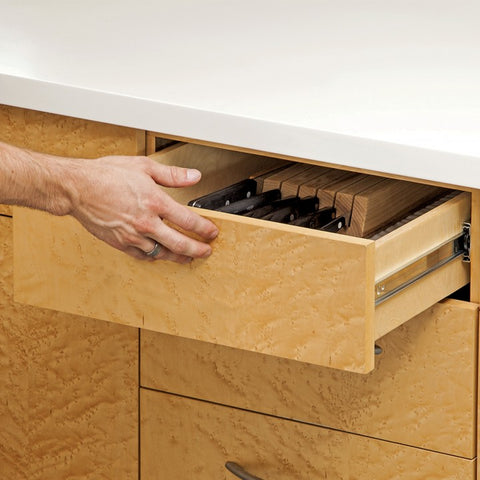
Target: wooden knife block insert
[(368, 203)]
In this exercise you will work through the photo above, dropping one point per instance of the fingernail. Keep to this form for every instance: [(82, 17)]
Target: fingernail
[(213, 235), (193, 175)]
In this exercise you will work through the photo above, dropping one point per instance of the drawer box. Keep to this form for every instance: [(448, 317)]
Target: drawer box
[(272, 288), (426, 376), (185, 438)]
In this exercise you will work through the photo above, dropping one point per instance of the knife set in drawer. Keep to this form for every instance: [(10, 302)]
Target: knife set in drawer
[(321, 198)]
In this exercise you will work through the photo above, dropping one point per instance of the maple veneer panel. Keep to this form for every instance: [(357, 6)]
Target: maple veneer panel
[(231, 298), (69, 385), (13, 368), (68, 390), (422, 391), (184, 438)]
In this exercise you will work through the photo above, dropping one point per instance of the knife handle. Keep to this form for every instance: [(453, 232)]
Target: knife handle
[(249, 204), (272, 207), (334, 226), (317, 219), (297, 207), (226, 196)]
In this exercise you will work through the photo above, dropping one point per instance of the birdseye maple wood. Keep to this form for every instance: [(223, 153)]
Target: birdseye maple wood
[(95, 434), (426, 373), (68, 385), (185, 438)]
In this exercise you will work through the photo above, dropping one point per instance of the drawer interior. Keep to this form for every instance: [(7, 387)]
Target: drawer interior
[(371, 206), (268, 287)]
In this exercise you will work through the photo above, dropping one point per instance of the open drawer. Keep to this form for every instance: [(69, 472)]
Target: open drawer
[(277, 289)]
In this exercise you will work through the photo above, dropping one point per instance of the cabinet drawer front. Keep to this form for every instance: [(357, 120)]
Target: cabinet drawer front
[(426, 375), (272, 288), (185, 438)]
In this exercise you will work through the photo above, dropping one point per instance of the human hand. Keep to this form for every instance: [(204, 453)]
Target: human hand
[(118, 200)]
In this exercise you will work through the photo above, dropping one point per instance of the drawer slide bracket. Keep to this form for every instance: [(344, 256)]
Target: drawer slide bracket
[(458, 246), (466, 242)]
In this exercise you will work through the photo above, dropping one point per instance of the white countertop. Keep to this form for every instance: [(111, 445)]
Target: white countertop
[(386, 85)]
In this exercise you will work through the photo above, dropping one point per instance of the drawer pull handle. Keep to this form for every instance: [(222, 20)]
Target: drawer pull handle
[(240, 472)]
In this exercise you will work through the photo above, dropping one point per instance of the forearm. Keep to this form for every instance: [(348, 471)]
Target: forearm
[(36, 180)]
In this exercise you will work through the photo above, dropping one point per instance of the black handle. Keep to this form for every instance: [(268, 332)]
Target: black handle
[(240, 472)]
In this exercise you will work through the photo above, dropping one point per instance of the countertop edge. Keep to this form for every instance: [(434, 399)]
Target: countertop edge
[(251, 133)]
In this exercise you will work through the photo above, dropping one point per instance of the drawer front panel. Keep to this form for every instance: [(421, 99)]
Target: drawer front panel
[(421, 393), (234, 298), (184, 438), (271, 288)]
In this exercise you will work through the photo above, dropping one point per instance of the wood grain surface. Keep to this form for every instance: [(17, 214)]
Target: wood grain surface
[(278, 179), (263, 289), (345, 196), (68, 385), (323, 179), (202, 437), (291, 186), (68, 390), (386, 202), (421, 393)]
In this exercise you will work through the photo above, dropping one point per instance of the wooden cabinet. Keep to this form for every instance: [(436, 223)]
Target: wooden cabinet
[(241, 345)]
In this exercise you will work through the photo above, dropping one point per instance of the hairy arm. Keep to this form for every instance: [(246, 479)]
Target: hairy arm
[(115, 198)]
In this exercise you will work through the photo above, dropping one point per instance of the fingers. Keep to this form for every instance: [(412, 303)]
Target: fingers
[(170, 176), (187, 219), (163, 254), (145, 248), (178, 243)]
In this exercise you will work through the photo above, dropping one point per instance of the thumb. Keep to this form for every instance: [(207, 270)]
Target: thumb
[(169, 176)]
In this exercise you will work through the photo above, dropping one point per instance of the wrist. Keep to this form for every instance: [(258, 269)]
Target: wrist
[(59, 184)]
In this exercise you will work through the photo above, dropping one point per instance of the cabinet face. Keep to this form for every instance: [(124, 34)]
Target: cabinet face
[(185, 438), (422, 391)]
